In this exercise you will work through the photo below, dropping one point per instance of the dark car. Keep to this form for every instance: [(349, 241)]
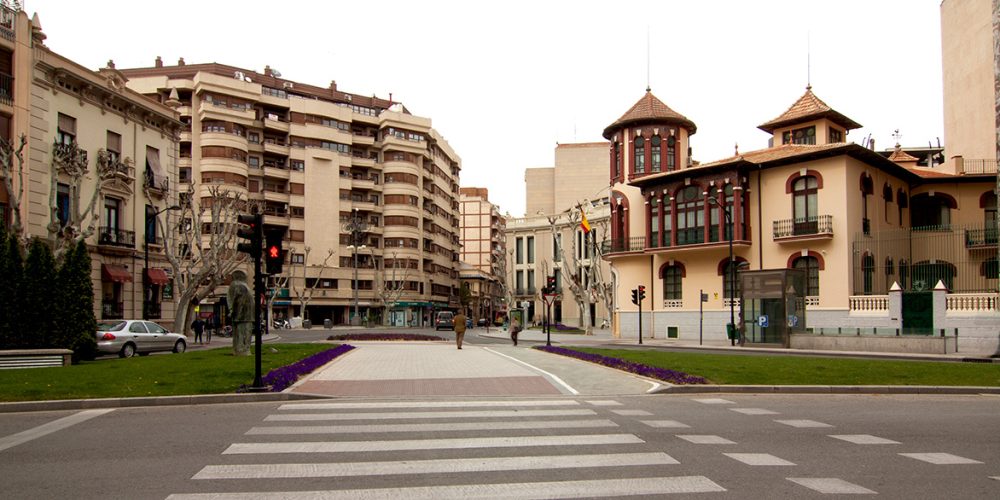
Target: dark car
[(445, 320)]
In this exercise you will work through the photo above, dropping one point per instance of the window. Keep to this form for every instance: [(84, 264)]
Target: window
[(810, 265), (111, 212), (731, 279), (804, 201), (531, 281), (253, 161), (298, 165), (519, 251), (654, 222), (690, 216), (114, 146), (556, 245), (836, 135), (519, 283), (618, 159), (557, 274), (298, 258), (728, 193), (931, 212), (989, 269), (805, 135), (654, 151), (672, 283), (66, 130), (639, 165), (715, 215), (62, 203), (887, 199), (927, 274), (989, 204), (253, 138), (867, 189), (902, 202), (531, 250), (868, 272), (671, 154), (904, 273)]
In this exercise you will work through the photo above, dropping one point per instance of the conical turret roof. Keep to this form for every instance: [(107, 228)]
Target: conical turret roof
[(649, 109), (808, 107)]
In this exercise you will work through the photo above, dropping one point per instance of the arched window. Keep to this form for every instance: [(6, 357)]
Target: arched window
[(867, 189), (672, 282), (889, 272), (930, 213), (887, 199), (654, 151), (988, 202), (731, 277), (714, 215), (690, 216), (654, 222), (809, 265), (671, 154), (926, 274), (728, 193), (868, 273), (804, 205), (902, 202), (618, 159), (639, 165), (989, 269), (904, 273)]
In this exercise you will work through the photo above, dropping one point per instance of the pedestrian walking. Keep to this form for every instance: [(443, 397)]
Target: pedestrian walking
[(515, 328), (459, 326), (198, 326)]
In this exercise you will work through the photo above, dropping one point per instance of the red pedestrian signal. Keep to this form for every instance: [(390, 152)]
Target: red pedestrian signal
[(274, 256)]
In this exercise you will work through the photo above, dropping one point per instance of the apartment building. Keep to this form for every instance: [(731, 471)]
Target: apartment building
[(99, 165), (356, 186), (550, 241), (483, 253)]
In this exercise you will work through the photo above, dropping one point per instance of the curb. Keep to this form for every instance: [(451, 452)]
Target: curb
[(88, 404), (825, 389)]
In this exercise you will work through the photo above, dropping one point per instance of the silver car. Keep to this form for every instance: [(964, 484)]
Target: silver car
[(128, 337)]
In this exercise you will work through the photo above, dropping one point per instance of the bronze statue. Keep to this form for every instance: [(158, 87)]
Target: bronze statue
[(241, 305)]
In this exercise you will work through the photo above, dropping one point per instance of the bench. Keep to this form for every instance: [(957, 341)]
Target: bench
[(35, 358)]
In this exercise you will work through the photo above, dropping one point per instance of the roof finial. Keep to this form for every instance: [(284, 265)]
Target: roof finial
[(736, 149)]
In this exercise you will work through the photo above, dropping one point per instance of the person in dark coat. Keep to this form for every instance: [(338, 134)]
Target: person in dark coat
[(198, 326)]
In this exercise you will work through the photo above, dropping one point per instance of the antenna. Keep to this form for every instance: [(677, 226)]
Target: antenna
[(808, 60), (647, 58)]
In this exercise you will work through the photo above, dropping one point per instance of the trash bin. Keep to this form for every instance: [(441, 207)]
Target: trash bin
[(307, 323), (327, 323), (732, 333)]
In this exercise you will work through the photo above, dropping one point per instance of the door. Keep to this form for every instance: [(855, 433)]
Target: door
[(918, 313), (159, 341), (140, 336)]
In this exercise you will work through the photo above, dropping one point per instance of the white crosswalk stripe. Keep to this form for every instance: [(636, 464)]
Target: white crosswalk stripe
[(428, 414), (429, 444), (426, 404), (444, 427)]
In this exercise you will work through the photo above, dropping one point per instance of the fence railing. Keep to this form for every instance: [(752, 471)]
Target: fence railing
[(804, 226), (116, 237), (869, 303), (980, 166), (111, 309), (633, 244), (972, 302)]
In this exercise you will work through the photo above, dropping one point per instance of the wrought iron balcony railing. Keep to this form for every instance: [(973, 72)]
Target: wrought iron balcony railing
[(807, 226), (617, 245), (111, 309), (6, 88), (116, 237), (153, 309), (986, 237)]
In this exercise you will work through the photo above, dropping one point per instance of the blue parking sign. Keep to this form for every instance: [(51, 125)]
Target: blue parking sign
[(762, 321)]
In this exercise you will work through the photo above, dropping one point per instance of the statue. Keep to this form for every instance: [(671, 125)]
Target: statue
[(241, 307)]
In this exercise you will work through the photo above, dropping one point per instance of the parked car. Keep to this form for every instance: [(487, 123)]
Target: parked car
[(481, 322), (444, 319), (128, 337)]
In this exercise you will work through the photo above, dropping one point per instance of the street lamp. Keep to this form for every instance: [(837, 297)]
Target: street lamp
[(357, 227), (731, 327), (145, 250)]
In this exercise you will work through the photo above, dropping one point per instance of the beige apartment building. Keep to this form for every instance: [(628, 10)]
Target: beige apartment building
[(100, 162), (483, 268), (363, 193), (551, 242)]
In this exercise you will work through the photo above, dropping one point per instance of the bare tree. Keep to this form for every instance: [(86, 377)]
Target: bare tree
[(278, 282), (583, 277), (390, 289), (13, 178), (307, 292), (200, 244)]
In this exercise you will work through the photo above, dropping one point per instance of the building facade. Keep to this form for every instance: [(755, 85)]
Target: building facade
[(359, 190), (483, 250), (99, 165)]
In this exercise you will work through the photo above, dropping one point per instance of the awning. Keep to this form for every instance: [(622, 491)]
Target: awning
[(115, 273), (157, 276)]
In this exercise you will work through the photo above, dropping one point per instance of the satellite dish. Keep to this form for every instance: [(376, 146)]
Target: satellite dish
[(275, 73)]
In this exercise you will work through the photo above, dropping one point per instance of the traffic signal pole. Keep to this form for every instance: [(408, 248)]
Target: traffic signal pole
[(254, 234)]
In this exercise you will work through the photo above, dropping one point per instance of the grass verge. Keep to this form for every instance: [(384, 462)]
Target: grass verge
[(796, 370), (212, 371)]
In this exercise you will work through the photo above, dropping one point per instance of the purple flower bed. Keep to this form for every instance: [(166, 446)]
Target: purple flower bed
[(672, 376), (382, 336), (281, 378)]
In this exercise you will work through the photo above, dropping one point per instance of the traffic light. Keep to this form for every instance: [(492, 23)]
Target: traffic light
[(250, 229), (635, 296), (550, 284), (274, 256), (642, 292)]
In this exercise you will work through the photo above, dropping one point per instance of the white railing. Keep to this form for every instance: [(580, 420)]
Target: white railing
[(812, 300), (673, 304), (971, 302), (727, 301), (869, 303)]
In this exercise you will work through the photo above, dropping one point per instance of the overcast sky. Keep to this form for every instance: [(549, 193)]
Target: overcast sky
[(504, 82)]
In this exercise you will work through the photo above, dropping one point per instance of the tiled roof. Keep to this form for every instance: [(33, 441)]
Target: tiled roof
[(648, 109), (775, 153), (930, 174), (808, 107), (900, 156)]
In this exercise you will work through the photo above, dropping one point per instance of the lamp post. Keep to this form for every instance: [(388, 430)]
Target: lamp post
[(731, 327), (145, 251), (357, 227)]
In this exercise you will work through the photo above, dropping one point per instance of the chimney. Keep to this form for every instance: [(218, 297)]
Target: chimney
[(158, 63), (111, 64), (267, 70), (180, 62)]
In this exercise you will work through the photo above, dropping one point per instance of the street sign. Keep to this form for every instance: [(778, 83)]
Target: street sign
[(793, 320), (762, 321), (704, 297)]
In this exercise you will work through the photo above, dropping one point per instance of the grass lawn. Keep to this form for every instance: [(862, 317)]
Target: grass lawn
[(213, 371), (796, 370)]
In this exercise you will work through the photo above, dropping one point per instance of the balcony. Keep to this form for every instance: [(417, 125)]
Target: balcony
[(621, 245), (153, 309), (980, 167), (115, 237), (807, 228), (6, 89), (985, 238), (8, 17), (111, 309)]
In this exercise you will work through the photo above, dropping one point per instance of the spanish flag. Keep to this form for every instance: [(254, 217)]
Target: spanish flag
[(584, 224)]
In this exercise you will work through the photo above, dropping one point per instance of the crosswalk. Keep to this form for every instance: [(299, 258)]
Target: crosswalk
[(523, 438), (519, 449)]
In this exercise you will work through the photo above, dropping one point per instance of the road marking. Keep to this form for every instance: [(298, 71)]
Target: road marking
[(458, 426), (560, 489), (753, 411), (46, 429), (631, 413), (459, 465), (664, 423), (758, 459), (715, 401), (604, 402), (655, 386), (430, 444), (941, 458), (863, 439), (803, 423), (831, 485), (704, 439), (551, 376), (428, 414), (424, 404)]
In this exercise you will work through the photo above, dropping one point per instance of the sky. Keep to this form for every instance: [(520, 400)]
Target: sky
[(505, 82)]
